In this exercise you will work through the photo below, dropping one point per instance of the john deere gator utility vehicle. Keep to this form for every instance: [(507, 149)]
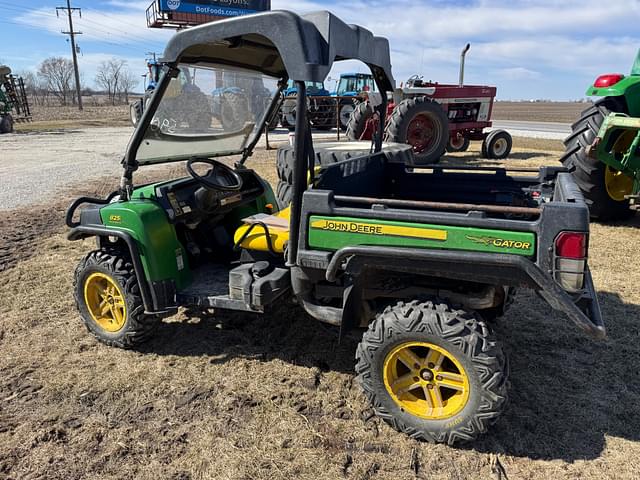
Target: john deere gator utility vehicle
[(607, 184), (421, 261)]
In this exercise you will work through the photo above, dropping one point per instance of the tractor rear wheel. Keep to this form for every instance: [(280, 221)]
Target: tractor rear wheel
[(6, 123), (108, 298), (288, 113), (358, 122), (235, 111), (421, 123), (135, 112), (602, 187), (345, 111), (433, 372)]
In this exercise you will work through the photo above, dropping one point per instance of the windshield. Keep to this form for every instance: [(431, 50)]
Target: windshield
[(207, 111)]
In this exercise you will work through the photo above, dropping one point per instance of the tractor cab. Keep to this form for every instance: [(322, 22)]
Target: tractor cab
[(355, 84), (313, 89)]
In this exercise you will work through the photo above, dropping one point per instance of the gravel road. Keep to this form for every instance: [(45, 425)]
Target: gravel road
[(35, 166)]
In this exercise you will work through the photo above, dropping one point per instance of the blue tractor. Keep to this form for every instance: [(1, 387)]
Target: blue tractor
[(352, 88), (151, 80), (194, 110)]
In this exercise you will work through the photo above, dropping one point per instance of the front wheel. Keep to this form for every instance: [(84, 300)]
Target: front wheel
[(497, 145), (458, 143), (433, 372), (108, 298)]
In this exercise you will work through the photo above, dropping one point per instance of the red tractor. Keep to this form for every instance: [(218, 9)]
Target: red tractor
[(434, 117)]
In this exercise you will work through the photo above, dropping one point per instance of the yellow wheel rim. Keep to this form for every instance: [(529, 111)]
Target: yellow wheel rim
[(426, 380), (618, 184), (105, 302)]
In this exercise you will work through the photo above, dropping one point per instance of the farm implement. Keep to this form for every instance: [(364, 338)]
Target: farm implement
[(418, 261), (435, 117), (14, 106), (602, 150)]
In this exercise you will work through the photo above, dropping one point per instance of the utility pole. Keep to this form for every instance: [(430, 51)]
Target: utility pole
[(72, 35)]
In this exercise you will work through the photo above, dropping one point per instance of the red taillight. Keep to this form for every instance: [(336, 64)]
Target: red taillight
[(571, 245), (607, 80), (570, 260)]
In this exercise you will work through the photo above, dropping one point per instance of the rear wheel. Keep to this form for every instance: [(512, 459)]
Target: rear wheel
[(235, 111), (358, 122), (344, 112), (288, 113), (135, 112), (421, 123), (433, 372), (108, 298), (603, 187)]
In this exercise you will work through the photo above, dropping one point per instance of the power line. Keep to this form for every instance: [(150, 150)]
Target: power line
[(72, 34), (146, 44)]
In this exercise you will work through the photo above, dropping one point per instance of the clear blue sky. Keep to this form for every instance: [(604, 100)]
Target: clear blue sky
[(529, 49)]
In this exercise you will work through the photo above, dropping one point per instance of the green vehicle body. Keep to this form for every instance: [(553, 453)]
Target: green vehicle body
[(5, 105), (162, 255), (628, 88)]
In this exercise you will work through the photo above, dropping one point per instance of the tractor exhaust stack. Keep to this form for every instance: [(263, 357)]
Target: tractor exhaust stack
[(462, 55)]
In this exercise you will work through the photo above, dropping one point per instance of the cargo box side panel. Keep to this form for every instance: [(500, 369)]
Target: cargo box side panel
[(334, 233)]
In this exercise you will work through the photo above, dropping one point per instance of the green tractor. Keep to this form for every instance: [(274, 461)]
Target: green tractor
[(13, 100), (368, 241), (605, 171)]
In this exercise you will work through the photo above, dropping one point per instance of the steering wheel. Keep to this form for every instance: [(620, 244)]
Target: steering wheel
[(219, 171)]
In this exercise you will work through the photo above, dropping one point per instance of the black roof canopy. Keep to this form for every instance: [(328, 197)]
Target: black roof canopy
[(284, 44)]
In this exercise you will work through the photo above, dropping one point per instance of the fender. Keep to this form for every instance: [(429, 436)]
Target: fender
[(628, 87)]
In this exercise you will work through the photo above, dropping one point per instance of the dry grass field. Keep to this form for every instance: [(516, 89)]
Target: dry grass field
[(246, 397), (55, 117)]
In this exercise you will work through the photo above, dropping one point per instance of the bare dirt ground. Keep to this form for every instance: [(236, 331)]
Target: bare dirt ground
[(561, 112), (272, 397)]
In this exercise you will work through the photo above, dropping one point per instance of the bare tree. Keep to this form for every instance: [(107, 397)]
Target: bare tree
[(115, 78), (109, 76), (57, 76), (128, 81)]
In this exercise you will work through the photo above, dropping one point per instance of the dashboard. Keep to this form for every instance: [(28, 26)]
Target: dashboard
[(186, 200)]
